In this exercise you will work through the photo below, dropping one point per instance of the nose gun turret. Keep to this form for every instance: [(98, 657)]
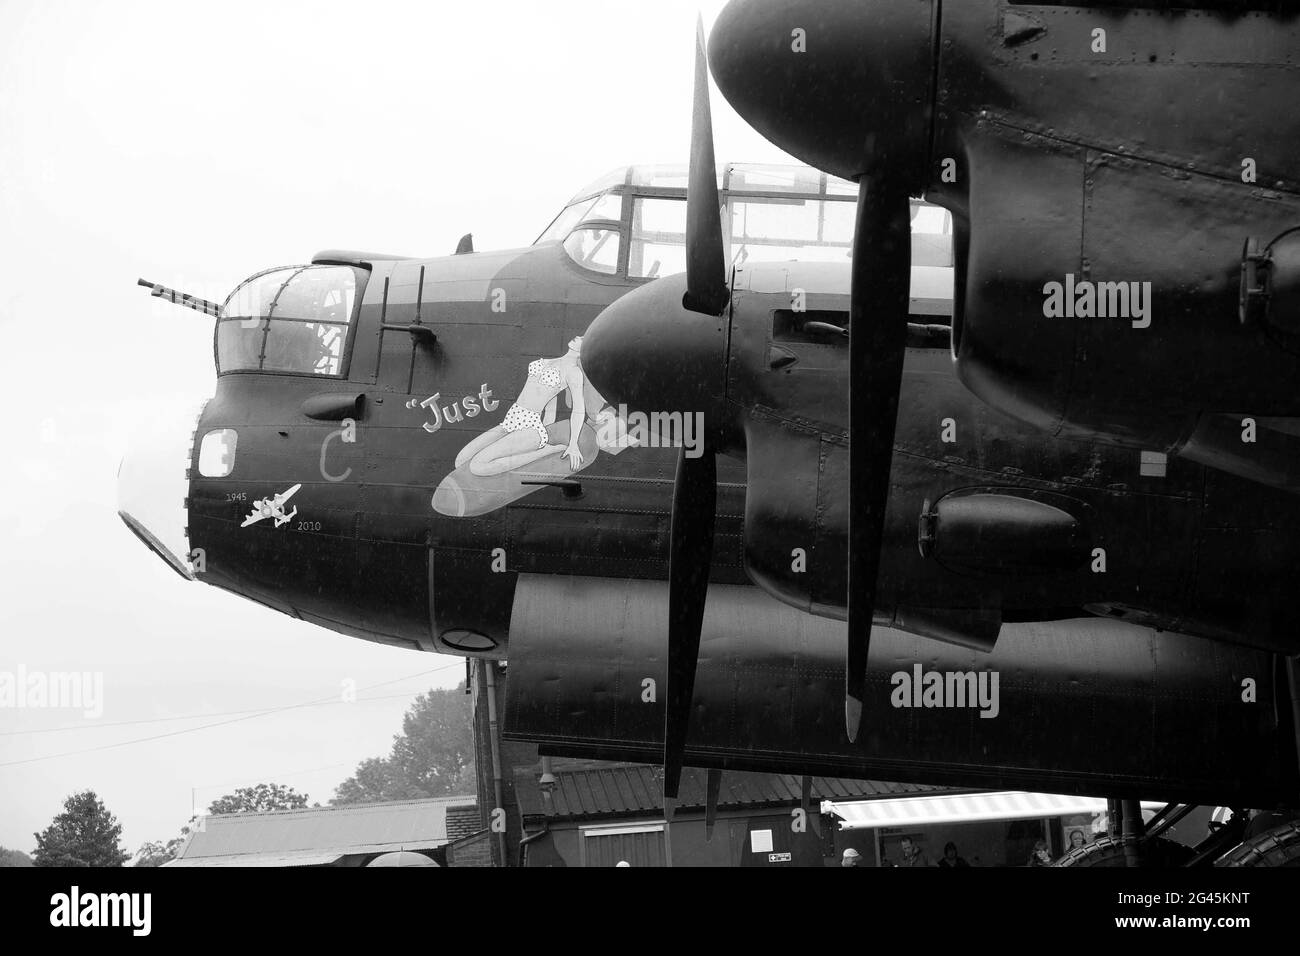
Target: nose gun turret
[(181, 298)]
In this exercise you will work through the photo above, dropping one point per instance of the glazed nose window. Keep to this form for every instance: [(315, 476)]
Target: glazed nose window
[(217, 453), (294, 320)]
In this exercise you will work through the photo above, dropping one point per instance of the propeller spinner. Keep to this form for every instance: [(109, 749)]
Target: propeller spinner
[(671, 314)]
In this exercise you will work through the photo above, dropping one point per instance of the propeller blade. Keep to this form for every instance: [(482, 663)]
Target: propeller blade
[(706, 262), (881, 283), (690, 551), (712, 788)]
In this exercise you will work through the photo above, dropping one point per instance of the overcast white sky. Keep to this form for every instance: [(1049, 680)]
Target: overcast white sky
[(194, 144)]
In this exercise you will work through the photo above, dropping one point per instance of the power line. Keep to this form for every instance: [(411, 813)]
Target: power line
[(220, 723), (221, 713)]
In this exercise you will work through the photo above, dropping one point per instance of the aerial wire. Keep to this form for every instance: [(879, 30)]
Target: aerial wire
[(219, 723)]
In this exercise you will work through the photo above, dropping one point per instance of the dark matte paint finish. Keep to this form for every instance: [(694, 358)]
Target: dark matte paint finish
[(1086, 706), (1118, 166)]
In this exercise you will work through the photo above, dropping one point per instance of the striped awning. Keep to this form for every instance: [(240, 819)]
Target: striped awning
[(961, 808)]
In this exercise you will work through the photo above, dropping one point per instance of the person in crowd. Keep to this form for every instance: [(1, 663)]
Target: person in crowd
[(950, 858), (1040, 856), (912, 855), (851, 858)]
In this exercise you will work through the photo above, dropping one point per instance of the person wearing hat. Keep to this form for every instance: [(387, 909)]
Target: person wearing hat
[(851, 858)]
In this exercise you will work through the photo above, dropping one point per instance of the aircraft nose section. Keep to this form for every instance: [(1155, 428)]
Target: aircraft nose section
[(153, 485), (646, 351), (842, 86)]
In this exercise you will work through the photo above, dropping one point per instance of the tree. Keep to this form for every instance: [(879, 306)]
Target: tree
[(265, 796), (84, 834), (433, 756), (156, 853), (376, 778), (14, 858)]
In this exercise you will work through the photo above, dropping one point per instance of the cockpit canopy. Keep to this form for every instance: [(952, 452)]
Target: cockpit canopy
[(293, 319), (632, 222)]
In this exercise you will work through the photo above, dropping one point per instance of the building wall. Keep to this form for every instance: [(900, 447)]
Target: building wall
[(989, 843), (472, 851), (686, 844), (463, 821)]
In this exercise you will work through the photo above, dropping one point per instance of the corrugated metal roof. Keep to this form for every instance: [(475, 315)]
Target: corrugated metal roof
[(346, 829), (619, 789)]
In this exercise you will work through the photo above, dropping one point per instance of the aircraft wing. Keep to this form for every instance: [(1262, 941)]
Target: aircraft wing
[(767, 698)]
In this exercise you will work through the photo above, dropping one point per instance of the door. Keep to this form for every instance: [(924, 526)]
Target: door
[(634, 844)]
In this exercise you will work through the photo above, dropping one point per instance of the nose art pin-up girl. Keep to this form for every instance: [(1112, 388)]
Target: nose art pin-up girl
[(522, 438)]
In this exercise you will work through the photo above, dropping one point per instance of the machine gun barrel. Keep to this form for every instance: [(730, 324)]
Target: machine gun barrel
[(181, 298)]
